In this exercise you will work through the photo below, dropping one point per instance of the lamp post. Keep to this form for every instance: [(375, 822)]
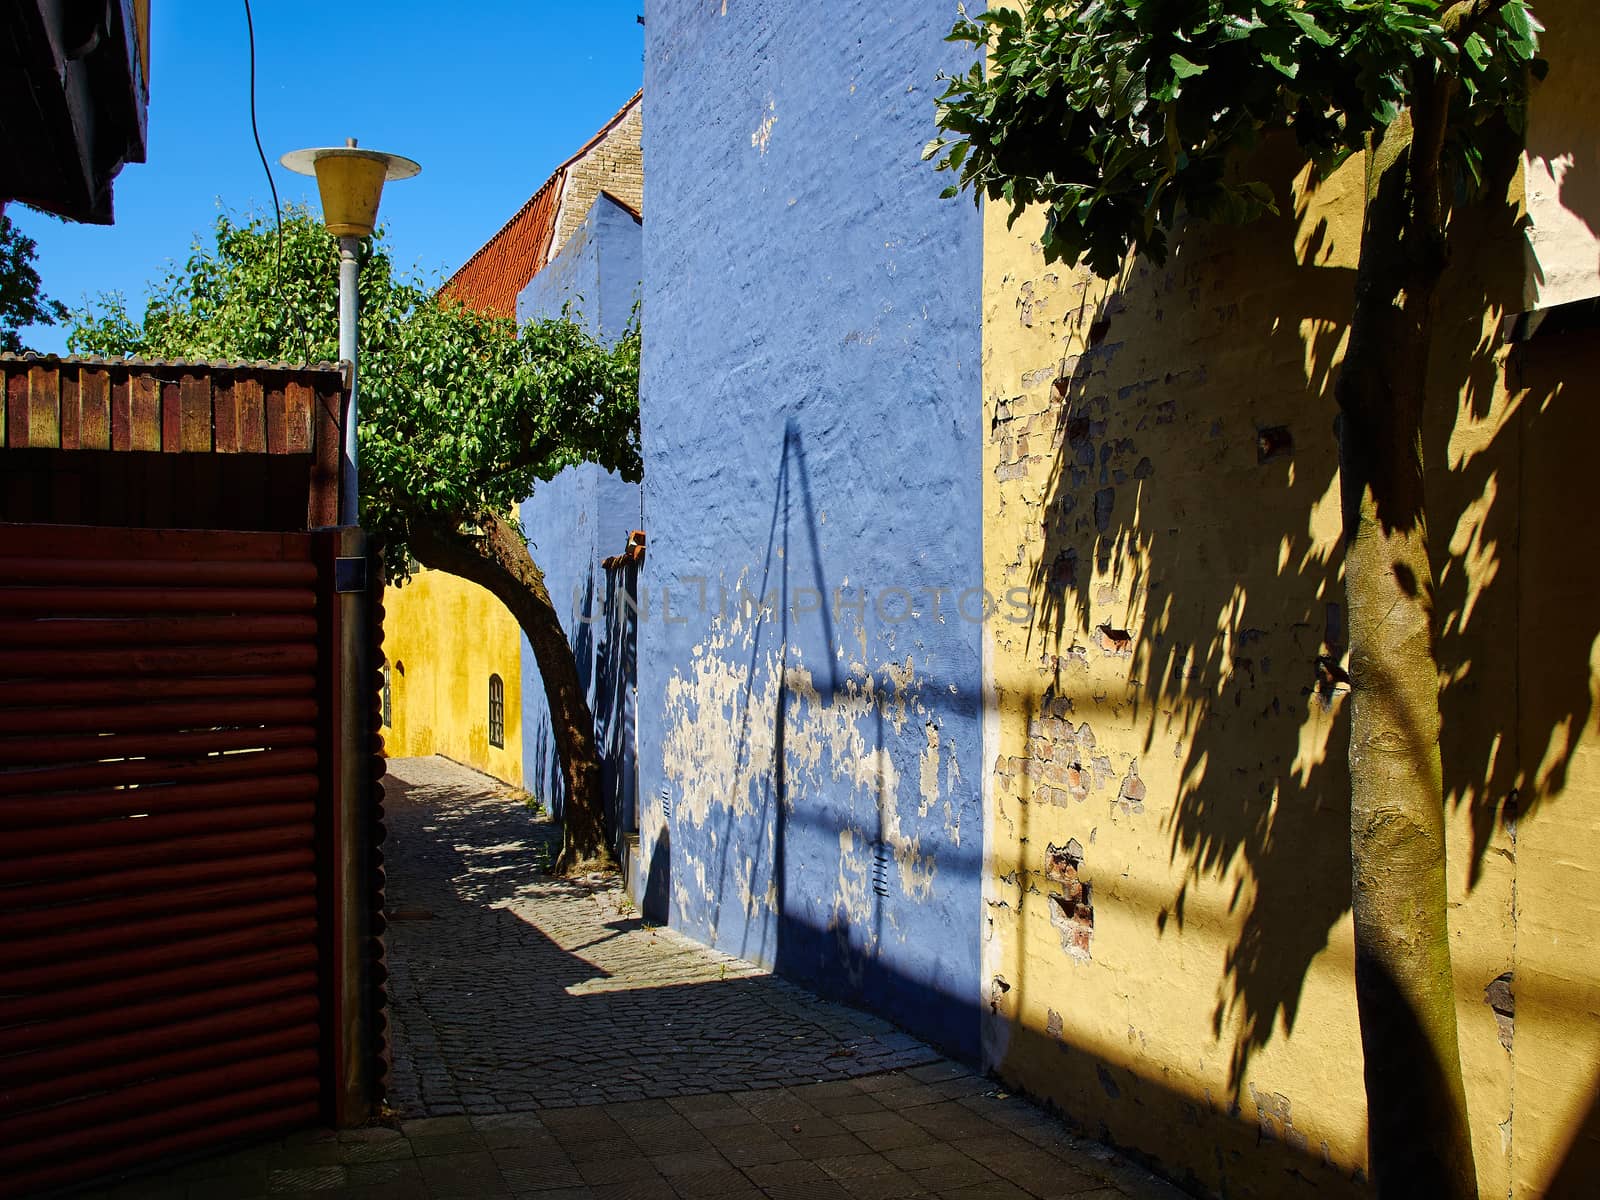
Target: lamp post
[(350, 181)]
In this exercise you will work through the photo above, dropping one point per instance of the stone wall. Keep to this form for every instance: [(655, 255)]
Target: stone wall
[(809, 715)]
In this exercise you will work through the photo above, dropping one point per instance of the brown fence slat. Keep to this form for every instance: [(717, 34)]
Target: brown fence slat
[(194, 420), (297, 415), (224, 415), (44, 407), (250, 403), (275, 403), (16, 406), (327, 438), (171, 421), (144, 413), (71, 437), (94, 409), (121, 411)]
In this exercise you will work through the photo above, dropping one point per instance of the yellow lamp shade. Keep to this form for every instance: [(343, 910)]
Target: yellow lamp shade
[(350, 181)]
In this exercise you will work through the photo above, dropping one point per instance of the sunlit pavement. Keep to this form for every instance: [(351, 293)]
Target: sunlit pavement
[(548, 1043)]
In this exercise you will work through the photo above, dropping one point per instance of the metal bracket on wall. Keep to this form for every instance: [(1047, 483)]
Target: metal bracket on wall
[(349, 575), (666, 804), (880, 869)]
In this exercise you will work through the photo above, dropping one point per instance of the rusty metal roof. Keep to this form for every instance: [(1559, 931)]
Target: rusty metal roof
[(29, 358), (499, 269)]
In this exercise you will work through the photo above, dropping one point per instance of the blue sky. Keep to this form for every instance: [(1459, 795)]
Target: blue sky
[(489, 96)]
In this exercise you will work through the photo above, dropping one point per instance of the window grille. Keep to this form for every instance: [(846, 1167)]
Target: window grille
[(497, 712)]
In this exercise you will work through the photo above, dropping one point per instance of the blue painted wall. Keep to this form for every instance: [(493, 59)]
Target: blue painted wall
[(583, 516), (811, 772)]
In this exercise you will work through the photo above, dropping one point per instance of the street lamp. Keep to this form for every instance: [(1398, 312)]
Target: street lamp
[(350, 181)]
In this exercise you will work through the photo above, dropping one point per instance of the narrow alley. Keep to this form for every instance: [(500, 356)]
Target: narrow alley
[(549, 1044)]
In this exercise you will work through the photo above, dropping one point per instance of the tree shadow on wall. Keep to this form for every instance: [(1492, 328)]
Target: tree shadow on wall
[(1186, 554)]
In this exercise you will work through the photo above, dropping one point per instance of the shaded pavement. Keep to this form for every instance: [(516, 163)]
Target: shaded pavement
[(549, 1044)]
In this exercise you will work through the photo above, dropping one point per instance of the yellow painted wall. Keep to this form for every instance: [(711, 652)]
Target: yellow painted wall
[(443, 637), (1161, 477)]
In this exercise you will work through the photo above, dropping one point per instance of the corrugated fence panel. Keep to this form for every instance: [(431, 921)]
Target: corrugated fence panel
[(160, 985)]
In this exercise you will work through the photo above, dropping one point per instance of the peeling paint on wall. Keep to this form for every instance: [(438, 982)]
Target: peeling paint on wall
[(820, 755)]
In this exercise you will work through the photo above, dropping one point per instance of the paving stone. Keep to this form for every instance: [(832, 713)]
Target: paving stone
[(712, 1181), (463, 1175), (531, 1157), (548, 1044), (541, 1177), (306, 1179), (993, 1189), (904, 1136), (620, 1170), (856, 1166), (827, 1190), (394, 1173), (891, 1185), (769, 1175), (689, 1162), (446, 1143), (376, 1151)]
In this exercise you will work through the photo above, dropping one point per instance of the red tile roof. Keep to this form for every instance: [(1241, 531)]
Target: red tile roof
[(490, 280)]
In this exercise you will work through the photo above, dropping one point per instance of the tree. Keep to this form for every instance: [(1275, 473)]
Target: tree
[(1120, 116), (22, 303), (462, 416)]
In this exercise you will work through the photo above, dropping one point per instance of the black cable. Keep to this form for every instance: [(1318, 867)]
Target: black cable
[(277, 207)]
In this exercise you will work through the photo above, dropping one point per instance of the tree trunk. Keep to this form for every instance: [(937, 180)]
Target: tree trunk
[(497, 559), (1419, 1142)]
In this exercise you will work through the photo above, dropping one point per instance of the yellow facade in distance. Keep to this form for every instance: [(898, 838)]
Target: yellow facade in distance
[(1161, 476), (443, 637)]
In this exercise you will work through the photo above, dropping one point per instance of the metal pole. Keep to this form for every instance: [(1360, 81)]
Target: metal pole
[(349, 305)]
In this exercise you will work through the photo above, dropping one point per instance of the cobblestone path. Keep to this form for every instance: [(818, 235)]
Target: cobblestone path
[(550, 1046), (512, 991)]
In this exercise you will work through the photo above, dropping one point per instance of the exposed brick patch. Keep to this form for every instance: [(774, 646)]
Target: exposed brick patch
[(1071, 909)]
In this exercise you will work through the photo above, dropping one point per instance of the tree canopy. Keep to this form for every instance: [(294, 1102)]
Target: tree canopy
[(22, 301), (462, 415), (1119, 118), (1117, 115)]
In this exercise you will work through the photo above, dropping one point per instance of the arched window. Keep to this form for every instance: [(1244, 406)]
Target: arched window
[(497, 712)]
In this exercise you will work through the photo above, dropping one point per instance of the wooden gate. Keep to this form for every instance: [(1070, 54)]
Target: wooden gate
[(167, 893)]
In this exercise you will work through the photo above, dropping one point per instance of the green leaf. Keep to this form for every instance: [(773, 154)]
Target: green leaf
[(1309, 27), (1184, 69), (1478, 51)]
